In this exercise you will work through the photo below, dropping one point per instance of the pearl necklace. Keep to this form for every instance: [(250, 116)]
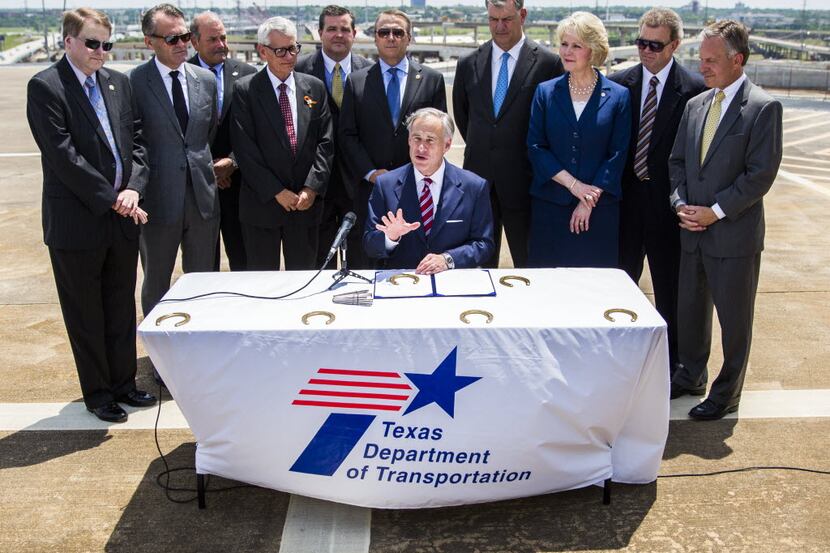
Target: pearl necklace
[(582, 91)]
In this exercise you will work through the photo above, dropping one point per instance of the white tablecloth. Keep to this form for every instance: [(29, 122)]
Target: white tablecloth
[(402, 405)]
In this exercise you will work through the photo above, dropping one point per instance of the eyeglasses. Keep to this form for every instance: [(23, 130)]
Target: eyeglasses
[(652, 45), (281, 52), (94, 44), (172, 40), (384, 33)]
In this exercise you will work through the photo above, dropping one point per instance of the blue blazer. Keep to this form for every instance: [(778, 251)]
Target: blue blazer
[(462, 227), (593, 149)]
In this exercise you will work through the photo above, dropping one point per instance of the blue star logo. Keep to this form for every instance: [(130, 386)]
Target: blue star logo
[(440, 386)]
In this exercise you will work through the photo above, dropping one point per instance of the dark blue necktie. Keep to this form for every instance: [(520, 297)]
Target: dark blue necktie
[(179, 105), (393, 95)]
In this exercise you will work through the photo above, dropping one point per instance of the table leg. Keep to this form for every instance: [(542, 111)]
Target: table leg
[(606, 492), (200, 490)]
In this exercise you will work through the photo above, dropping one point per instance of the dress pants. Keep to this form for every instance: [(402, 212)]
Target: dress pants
[(96, 289), (730, 284), (516, 225), (231, 229), (159, 245), (298, 243), (335, 207)]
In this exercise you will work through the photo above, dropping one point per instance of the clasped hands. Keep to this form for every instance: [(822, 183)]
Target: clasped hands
[(126, 205), (588, 197), (223, 169), (291, 201), (695, 218), (394, 226)]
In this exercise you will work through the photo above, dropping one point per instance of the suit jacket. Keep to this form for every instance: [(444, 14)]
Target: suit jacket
[(171, 153), (263, 152), (496, 146), (313, 64), (740, 167), (367, 139), (78, 165), (681, 85), (593, 149), (462, 227)]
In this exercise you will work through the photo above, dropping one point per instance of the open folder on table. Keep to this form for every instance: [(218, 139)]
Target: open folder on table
[(406, 284)]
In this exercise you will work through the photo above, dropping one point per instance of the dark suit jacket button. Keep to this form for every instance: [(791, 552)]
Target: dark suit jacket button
[(573, 160), (576, 135), (185, 145)]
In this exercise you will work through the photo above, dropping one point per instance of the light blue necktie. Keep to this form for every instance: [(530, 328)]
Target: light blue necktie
[(393, 95), (501, 85), (101, 111)]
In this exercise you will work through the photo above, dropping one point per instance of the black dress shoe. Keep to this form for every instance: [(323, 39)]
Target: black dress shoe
[(137, 398), (710, 410), (109, 412), (678, 391)]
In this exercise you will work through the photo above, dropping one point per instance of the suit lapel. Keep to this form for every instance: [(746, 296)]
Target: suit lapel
[(230, 74), (413, 84), (562, 96), (451, 196), (374, 83), (668, 102), (194, 90), (267, 97), (407, 195), (484, 75), (74, 89), (634, 83), (303, 110), (156, 85), (527, 59), (112, 100), (318, 67), (732, 114), (700, 119)]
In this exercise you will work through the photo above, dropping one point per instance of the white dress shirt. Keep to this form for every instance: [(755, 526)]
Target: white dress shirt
[(495, 63), (220, 81), (164, 71), (291, 91), (662, 77), (729, 93), (434, 188)]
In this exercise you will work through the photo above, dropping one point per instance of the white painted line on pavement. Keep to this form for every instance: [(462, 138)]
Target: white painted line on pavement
[(808, 115), (755, 404), (808, 159), (807, 126), (317, 526), (807, 167), (21, 154), (806, 183), (808, 139)]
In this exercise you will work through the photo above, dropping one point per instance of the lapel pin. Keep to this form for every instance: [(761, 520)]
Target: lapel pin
[(235, 73), (309, 101), (602, 94), (418, 76), (112, 87)]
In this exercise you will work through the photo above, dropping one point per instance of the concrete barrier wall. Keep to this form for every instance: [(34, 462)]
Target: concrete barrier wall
[(771, 74)]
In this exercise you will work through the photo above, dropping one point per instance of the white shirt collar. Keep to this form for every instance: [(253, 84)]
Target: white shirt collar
[(732, 89), (81, 76), (437, 177), (165, 71), (345, 64), (661, 75), (514, 52), (276, 82)]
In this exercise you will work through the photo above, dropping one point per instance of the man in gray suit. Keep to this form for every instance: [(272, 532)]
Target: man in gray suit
[(176, 104), (725, 159)]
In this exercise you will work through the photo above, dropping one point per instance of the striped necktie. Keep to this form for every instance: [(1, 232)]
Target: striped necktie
[(427, 211), (646, 126), (712, 120)]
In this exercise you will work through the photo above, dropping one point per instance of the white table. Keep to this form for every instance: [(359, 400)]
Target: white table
[(401, 404)]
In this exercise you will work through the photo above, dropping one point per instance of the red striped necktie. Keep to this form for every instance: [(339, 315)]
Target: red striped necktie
[(427, 207)]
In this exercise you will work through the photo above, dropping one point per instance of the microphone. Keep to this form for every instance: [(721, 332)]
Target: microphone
[(342, 233)]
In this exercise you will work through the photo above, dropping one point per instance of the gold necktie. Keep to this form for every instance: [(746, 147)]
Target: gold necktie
[(337, 85), (712, 120)]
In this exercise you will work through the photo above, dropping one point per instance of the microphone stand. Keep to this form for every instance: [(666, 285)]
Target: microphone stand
[(344, 269)]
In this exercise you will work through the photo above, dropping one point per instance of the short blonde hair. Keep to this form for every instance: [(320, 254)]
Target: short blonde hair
[(590, 30), (74, 20)]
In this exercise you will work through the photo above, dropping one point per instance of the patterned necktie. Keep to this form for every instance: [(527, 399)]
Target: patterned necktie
[(337, 85), (219, 89), (101, 111), (285, 109), (501, 85), (427, 211), (393, 95), (179, 105), (712, 120), (646, 126)]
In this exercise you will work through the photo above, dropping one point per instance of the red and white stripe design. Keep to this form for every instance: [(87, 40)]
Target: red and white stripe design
[(427, 211), (355, 389)]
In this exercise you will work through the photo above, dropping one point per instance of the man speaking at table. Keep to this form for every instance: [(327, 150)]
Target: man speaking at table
[(429, 214)]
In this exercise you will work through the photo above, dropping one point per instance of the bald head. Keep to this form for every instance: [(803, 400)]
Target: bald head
[(209, 38)]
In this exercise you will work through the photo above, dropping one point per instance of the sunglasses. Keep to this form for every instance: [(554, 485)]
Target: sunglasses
[(384, 33), (652, 45), (94, 44), (281, 52), (172, 40)]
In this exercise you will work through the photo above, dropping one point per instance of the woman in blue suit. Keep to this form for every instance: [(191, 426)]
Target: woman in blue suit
[(580, 125)]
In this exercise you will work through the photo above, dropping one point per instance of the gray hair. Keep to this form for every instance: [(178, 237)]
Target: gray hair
[(664, 17), (202, 17), (148, 19), (446, 121), (280, 24), (519, 4), (734, 36)]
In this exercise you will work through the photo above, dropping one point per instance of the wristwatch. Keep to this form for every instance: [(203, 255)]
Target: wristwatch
[(448, 259)]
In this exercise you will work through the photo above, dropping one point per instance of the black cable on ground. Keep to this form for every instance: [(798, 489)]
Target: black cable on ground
[(743, 469)]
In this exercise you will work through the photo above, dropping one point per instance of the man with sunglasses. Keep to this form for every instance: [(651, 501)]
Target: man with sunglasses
[(659, 88), (282, 139), (333, 64), (211, 45), (491, 98), (177, 105), (94, 171), (372, 138)]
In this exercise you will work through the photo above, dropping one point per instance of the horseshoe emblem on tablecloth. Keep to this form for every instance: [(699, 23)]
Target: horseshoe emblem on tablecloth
[(630, 313), (504, 281), (394, 278), (311, 314), (481, 312), (185, 318)]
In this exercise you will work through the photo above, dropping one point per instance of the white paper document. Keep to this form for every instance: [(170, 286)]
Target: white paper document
[(464, 283)]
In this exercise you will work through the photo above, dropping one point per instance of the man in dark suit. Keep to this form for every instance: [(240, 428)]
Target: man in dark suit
[(491, 99), (372, 138), (333, 64), (659, 88), (210, 42), (430, 214), (176, 103), (282, 139), (94, 171), (724, 161)]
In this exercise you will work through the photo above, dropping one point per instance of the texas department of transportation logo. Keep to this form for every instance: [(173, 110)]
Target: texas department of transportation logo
[(374, 391)]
